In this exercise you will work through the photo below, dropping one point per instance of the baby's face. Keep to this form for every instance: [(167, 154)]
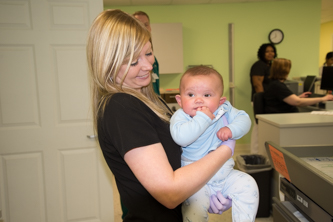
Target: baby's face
[(200, 91)]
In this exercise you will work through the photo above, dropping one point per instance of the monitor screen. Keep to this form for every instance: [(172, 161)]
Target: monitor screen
[(309, 84), (292, 85), (327, 78)]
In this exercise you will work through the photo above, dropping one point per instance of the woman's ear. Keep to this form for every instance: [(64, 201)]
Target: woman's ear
[(222, 100), (179, 101)]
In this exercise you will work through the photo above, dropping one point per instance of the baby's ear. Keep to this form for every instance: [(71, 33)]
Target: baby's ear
[(222, 100), (179, 101)]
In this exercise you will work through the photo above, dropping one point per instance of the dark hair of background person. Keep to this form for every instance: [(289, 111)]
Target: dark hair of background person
[(141, 13), (262, 50), (329, 55)]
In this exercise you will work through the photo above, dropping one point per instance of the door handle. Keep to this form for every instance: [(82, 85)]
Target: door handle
[(91, 136)]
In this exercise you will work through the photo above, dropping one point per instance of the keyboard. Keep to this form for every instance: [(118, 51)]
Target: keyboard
[(315, 95), (330, 113)]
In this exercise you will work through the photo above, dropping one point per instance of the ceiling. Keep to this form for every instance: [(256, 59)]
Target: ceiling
[(326, 7)]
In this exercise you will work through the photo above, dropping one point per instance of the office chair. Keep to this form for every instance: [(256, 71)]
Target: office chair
[(258, 104)]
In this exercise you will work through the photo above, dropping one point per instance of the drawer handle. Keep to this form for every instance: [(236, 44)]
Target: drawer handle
[(91, 136)]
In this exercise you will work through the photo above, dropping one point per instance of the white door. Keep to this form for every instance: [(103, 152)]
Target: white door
[(49, 170)]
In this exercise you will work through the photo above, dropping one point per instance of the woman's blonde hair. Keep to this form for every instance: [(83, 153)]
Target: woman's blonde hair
[(115, 39), (280, 69)]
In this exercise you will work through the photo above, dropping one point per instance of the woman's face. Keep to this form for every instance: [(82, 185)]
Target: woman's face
[(269, 53), (139, 73), (144, 19)]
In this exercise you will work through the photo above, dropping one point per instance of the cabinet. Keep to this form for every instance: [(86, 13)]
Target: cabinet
[(290, 129), (168, 47), (170, 99), (293, 129), (308, 181)]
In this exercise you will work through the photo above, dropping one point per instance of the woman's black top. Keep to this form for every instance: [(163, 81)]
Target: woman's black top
[(128, 123), (260, 68), (274, 95)]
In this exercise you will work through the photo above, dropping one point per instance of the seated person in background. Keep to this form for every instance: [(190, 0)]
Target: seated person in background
[(328, 62), (278, 97), (206, 119)]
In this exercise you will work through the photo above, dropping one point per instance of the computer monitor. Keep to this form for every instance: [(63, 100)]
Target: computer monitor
[(293, 86), (327, 78), (308, 85)]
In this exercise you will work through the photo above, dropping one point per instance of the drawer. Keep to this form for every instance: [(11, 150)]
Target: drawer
[(169, 97)]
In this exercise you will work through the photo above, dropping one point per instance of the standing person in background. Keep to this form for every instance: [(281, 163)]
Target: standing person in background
[(260, 70), (328, 62), (144, 18), (259, 80)]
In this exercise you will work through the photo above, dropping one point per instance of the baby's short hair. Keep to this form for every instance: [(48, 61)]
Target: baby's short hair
[(201, 70)]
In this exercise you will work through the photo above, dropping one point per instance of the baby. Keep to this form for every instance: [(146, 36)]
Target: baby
[(206, 119)]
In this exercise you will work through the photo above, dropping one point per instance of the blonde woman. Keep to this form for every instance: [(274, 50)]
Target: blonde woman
[(132, 123)]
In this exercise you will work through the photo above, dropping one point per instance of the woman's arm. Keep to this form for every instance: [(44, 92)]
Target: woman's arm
[(257, 83), (152, 168), (294, 100)]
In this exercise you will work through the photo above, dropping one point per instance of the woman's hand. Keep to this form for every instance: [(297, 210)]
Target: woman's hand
[(328, 97), (305, 95), (219, 204), (231, 144)]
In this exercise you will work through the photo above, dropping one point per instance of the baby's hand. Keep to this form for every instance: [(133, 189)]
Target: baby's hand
[(206, 111), (224, 134)]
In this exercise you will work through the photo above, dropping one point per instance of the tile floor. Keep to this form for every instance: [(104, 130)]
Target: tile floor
[(225, 217)]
